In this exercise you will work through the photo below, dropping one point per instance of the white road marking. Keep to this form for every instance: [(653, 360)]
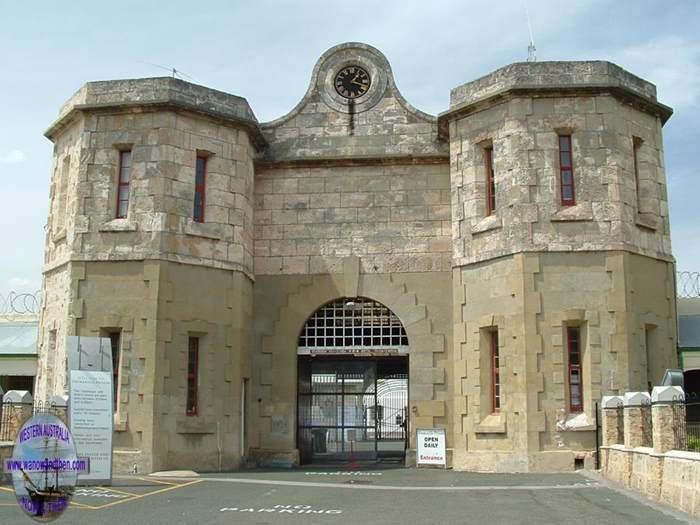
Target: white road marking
[(574, 486), (96, 493), (283, 509), (342, 473)]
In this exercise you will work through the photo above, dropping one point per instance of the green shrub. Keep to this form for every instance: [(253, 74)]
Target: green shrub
[(694, 443)]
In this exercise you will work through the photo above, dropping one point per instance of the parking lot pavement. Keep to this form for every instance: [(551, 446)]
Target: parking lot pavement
[(338, 497)]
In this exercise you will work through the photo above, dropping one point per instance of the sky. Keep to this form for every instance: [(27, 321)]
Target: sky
[(265, 51)]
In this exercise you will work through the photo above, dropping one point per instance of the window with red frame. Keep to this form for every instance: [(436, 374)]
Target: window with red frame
[(566, 171), (192, 376), (115, 343), (573, 344), (200, 189), (496, 373), (636, 144), (123, 184), (490, 181)]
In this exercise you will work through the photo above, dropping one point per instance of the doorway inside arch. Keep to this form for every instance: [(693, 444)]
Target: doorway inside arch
[(352, 384)]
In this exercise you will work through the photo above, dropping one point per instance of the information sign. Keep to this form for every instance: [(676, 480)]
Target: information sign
[(431, 446)]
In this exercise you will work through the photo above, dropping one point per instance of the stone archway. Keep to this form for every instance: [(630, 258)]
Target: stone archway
[(278, 374)]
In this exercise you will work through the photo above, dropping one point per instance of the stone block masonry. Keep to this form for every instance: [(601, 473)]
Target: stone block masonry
[(366, 196), (656, 469)]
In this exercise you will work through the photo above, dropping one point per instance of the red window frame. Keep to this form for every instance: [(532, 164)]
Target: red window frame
[(115, 343), (566, 171), (573, 345), (636, 143), (123, 182), (490, 181), (192, 407), (200, 178), (495, 373)]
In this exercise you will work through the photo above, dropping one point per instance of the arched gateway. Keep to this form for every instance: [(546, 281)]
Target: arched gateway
[(352, 383)]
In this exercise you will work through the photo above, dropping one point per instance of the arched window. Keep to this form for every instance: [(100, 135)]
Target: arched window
[(353, 324)]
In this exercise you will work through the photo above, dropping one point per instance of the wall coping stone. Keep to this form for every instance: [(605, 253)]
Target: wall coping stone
[(611, 402), (635, 399), (669, 394), (557, 78), (548, 73), (683, 454), (159, 92), (18, 396), (59, 401)]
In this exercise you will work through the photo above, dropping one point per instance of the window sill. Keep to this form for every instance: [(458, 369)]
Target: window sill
[(203, 229), (119, 423), (118, 225), (492, 424), (492, 222), (648, 221), (575, 422), (583, 211), (195, 425)]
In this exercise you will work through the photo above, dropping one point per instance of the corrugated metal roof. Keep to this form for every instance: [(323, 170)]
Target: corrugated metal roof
[(18, 338)]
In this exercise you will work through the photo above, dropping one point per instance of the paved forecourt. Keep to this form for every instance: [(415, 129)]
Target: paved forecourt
[(366, 495)]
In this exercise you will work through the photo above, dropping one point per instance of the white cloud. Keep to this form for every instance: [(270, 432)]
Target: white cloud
[(672, 62), (22, 285), (12, 157)]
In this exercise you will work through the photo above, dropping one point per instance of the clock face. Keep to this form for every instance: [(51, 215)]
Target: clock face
[(352, 82)]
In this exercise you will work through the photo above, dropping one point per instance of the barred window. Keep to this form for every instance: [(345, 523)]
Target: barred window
[(115, 342), (490, 181), (566, 171), (193, 376), (636, 144), (123, 184), (200, 189), (573, 343), (496, 373), (353, 322)]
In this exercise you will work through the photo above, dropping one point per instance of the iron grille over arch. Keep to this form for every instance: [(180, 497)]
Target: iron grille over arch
[(355, 323)]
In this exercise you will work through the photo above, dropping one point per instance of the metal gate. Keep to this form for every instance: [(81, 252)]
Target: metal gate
[(352, 408)]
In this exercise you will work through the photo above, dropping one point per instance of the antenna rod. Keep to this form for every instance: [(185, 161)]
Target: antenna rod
[(531, 49)]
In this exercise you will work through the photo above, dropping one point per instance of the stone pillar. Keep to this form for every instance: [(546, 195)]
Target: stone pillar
[(633, 420), (664, 432), (59, 407), (19, 406), (610, 406)]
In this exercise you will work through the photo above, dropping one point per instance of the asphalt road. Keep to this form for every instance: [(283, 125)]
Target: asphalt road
[(369, 496)]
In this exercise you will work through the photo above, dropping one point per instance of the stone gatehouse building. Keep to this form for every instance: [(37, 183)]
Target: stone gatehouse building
[(357, 269)]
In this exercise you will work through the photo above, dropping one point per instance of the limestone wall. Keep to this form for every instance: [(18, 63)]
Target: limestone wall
[(655, 469), (531, 299), (380, 124), (216, 307), (104, 274), (395, 218), (523, 132)]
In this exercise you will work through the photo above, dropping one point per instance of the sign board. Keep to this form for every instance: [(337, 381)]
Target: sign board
[(91, 406), (360, 351), (430, 449)]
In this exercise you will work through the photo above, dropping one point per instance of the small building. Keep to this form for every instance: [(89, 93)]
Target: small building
[(689, 330), (18, 351), (333, 280)]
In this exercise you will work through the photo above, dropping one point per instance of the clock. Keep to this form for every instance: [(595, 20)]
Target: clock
[(352, 82)]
